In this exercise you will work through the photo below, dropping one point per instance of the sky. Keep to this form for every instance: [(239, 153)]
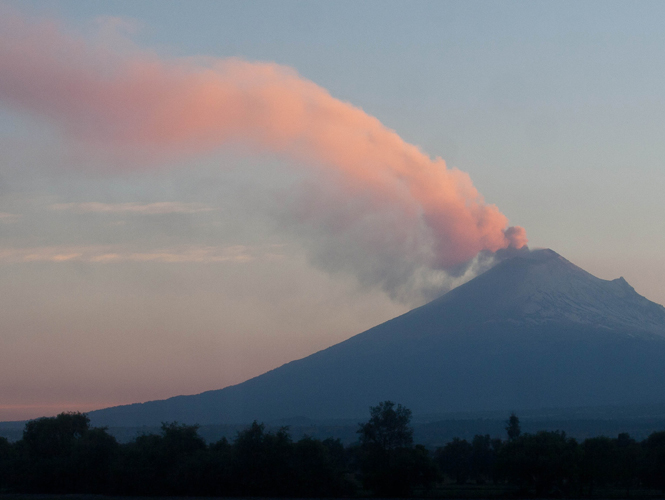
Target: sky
[(195, 192)]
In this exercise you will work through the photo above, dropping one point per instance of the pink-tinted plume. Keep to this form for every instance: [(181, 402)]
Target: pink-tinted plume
[(157, 108)]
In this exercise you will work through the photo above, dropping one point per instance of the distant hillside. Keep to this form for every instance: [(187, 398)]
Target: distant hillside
[(579, 423)]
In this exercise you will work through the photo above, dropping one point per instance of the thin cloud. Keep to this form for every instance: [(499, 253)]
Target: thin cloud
[(107, 255), (161, 208), (7, 218)]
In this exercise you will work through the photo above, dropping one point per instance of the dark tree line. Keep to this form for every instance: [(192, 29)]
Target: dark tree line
[(550, 463), (64, 454)]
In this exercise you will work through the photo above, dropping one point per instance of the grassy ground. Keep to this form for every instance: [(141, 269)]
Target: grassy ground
[(449, 491)]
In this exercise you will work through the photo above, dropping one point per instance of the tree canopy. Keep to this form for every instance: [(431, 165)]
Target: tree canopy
[(388, 427)]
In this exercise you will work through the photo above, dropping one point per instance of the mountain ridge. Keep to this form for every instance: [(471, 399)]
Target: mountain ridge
[(533, 331)]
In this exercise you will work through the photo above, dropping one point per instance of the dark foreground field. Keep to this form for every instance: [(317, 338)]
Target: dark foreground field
[(470, 492)]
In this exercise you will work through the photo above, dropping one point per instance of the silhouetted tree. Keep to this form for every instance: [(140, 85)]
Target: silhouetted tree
[(482, 458), (390, 465), (47, 438), (598, 462), (48, 445), (141, 468), (7, 460), (653, 470), (217, 473), (63, 455), (262, 461), (513, 428), (93, 456), (388, 427), (628, 457), (319, 469), (162, 464), (186, 454), (545, 462), (454, 460), (339, 456)]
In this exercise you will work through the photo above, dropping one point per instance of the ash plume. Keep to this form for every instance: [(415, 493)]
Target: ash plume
[(372, 205)]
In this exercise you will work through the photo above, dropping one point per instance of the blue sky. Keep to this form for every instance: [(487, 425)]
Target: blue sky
[(554, 109)]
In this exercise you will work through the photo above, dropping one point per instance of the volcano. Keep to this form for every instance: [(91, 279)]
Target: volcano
[(533, 332)]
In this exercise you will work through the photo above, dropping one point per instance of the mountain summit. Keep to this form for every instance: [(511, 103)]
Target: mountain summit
[(540, 286), (535, 331)]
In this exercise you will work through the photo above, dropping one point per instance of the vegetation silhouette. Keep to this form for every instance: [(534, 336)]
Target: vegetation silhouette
[(390, 465), (513, 428), (64, 455)]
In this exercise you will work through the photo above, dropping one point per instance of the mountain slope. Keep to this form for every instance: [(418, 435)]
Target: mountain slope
[(535, 331)]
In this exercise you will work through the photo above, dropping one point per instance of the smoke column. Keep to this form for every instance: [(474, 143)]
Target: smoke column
[(411, 214)]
